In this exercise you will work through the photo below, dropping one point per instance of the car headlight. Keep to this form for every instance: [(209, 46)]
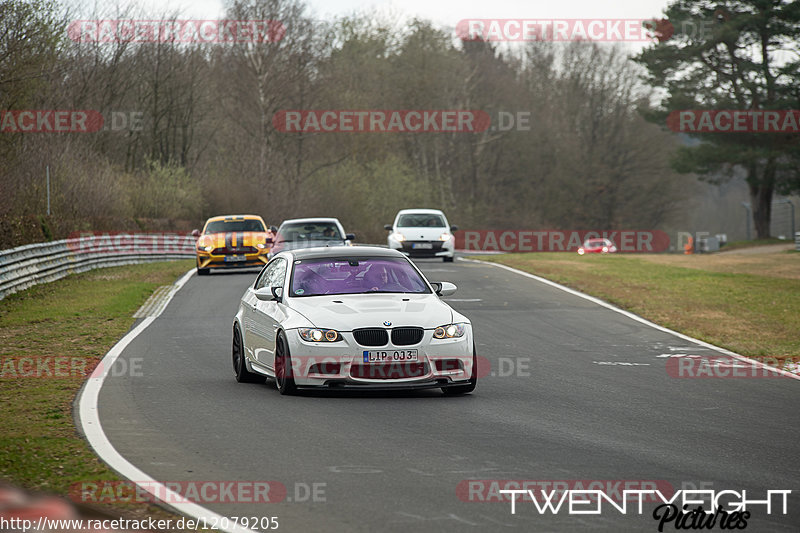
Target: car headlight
[(206, 248), (450, 331), (399, 237), (319, 335), (445, 237), (261, 245)]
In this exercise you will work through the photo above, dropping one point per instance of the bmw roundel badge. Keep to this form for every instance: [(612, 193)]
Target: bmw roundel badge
[(387, 323)]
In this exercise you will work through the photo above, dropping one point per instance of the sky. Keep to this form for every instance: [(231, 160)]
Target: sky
[(444, 12)]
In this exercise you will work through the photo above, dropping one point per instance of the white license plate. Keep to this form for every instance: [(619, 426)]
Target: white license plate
[(234, 258), (390, 356), (422, 246)]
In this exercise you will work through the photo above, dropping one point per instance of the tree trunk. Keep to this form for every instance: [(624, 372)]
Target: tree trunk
[(761, 198)]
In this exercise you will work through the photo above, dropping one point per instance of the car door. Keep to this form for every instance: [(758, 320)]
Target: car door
[(249, 303), (269, 315)]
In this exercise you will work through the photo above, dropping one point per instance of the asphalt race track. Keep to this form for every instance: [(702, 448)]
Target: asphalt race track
[(559, 406)]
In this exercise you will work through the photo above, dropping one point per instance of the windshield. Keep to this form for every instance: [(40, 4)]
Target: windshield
[(595, 243), (310, 231), (316, 277), (423, 220), (230, 226)]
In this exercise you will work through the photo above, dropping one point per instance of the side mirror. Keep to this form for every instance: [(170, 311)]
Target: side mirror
[(350, 236), (273, 229), (264, 294), (195, 233), (269, 294), (444, 288), (453, 228), (387, 227), (277, 294), (268, 240)]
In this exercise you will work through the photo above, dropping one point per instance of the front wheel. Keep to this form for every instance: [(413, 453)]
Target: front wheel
[(284, 377), (448, 259), (473, 381)]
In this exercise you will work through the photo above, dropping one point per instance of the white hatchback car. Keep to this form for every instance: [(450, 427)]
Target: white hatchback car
[(351, 318), (422, 233)]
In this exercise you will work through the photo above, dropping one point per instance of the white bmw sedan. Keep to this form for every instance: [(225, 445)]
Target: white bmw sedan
[(351, 318)]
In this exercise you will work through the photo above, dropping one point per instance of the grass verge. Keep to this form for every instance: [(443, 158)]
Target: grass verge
[(77, 318), (737, 245), (750, 305)]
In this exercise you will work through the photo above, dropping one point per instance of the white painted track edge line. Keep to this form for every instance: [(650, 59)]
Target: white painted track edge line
[(89, 420), (634, 316)]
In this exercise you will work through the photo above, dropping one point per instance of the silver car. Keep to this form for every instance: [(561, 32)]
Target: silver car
[(309, 233), (351, 318)]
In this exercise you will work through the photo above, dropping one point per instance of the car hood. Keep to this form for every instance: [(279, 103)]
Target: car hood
[(422, 234), (346, 312)]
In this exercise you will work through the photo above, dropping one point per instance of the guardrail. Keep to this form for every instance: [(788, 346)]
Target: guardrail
[(33, 264)]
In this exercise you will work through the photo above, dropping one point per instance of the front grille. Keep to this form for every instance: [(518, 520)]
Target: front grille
[(389, 370), (436, 246), (234, 251), (408, 247), (371, 337), (406, 336)]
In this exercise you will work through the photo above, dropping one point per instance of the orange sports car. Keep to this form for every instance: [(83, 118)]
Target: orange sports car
[(233, 241)]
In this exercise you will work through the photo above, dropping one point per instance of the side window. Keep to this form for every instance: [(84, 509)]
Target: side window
[(262, 279), (277, 275), (273, 275)]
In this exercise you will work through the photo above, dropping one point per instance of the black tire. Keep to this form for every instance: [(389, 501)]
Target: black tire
[(239, 366), (284, 378), (448, 259), (203, 271), (458, 390)]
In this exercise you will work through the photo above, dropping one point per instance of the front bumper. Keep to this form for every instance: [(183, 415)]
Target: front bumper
[(437, 248), (339, 365), (209, 260)]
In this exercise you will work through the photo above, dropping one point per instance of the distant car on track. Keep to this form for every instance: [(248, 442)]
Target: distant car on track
[(232, 241), (309, 233), (597, 246), (358, 318), (422, 233)]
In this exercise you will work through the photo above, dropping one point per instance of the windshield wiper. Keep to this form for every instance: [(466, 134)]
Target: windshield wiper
[(380, 291)]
